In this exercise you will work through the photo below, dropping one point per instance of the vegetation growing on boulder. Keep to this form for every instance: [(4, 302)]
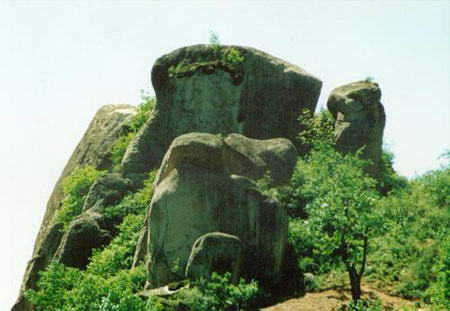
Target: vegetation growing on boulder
[(108, 283), (229, 60), (145, 110), (76, 187)]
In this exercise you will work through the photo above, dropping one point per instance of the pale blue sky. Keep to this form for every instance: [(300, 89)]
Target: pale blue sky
[(61, 61)]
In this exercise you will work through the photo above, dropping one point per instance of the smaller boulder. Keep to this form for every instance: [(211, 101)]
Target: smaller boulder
[(83, 235), (215, 252), (107, 190), (234, 154)]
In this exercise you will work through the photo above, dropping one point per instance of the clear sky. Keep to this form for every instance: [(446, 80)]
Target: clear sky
[(61, 61)]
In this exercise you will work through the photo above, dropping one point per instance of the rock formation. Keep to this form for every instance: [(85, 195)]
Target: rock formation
[(94, 149), (360, 121), (199, 90), (224, 118), (198, 191)]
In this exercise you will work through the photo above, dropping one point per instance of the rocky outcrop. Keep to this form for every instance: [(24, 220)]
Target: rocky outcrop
[(260, 97), (360, 121), (198, 191), (215, 252), (94, 149)]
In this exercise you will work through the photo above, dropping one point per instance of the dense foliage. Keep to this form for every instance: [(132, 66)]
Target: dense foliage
[(108, 283), (410, 259), (219, 294), (76, 187)]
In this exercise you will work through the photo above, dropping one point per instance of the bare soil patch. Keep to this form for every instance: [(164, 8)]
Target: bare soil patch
[(332, 299)]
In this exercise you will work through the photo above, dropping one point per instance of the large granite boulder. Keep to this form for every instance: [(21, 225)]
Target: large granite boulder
[(198, 192), (260, 97), (94, 149), (360, 121)]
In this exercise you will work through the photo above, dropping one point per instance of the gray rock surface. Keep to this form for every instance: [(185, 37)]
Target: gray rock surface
[(233, 154), (215, 252), (360, 121), (107, 190), (94, 149), (264, 102), (197, 193), (77, 243)]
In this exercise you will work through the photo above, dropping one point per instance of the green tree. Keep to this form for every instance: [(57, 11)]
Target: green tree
[(342, 215)]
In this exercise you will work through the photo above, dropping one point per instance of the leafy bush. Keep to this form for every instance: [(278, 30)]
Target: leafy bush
[(218, 294), (364, 305), (53, 285), (118, 255), (145, 110), (317, 129), (389, 180), (61, 288), (404, 260), (76, 187), (440, 291), (134, 203), (90, 294), (233, 57)]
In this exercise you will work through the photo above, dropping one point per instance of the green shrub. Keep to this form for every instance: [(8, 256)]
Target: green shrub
[(233, 57), (145, 110), (91, 292), (76, 187), (364, 305), (120, 147), (293, 196), (316, 129), (389, 180), (404, 260), (440, 291), (118, 255), (218, 294), (53, 285), (134, 203), (61, 288)]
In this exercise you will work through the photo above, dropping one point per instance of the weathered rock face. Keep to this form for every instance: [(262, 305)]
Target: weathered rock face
[(360, 121), (260, 98), (197, 192), (234, 154), (94, 149), (83, 235), (215, 252)]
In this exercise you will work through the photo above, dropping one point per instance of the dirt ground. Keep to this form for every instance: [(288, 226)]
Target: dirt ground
[(331, 300)]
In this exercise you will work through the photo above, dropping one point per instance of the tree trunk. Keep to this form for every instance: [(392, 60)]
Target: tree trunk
[(355, 283)]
